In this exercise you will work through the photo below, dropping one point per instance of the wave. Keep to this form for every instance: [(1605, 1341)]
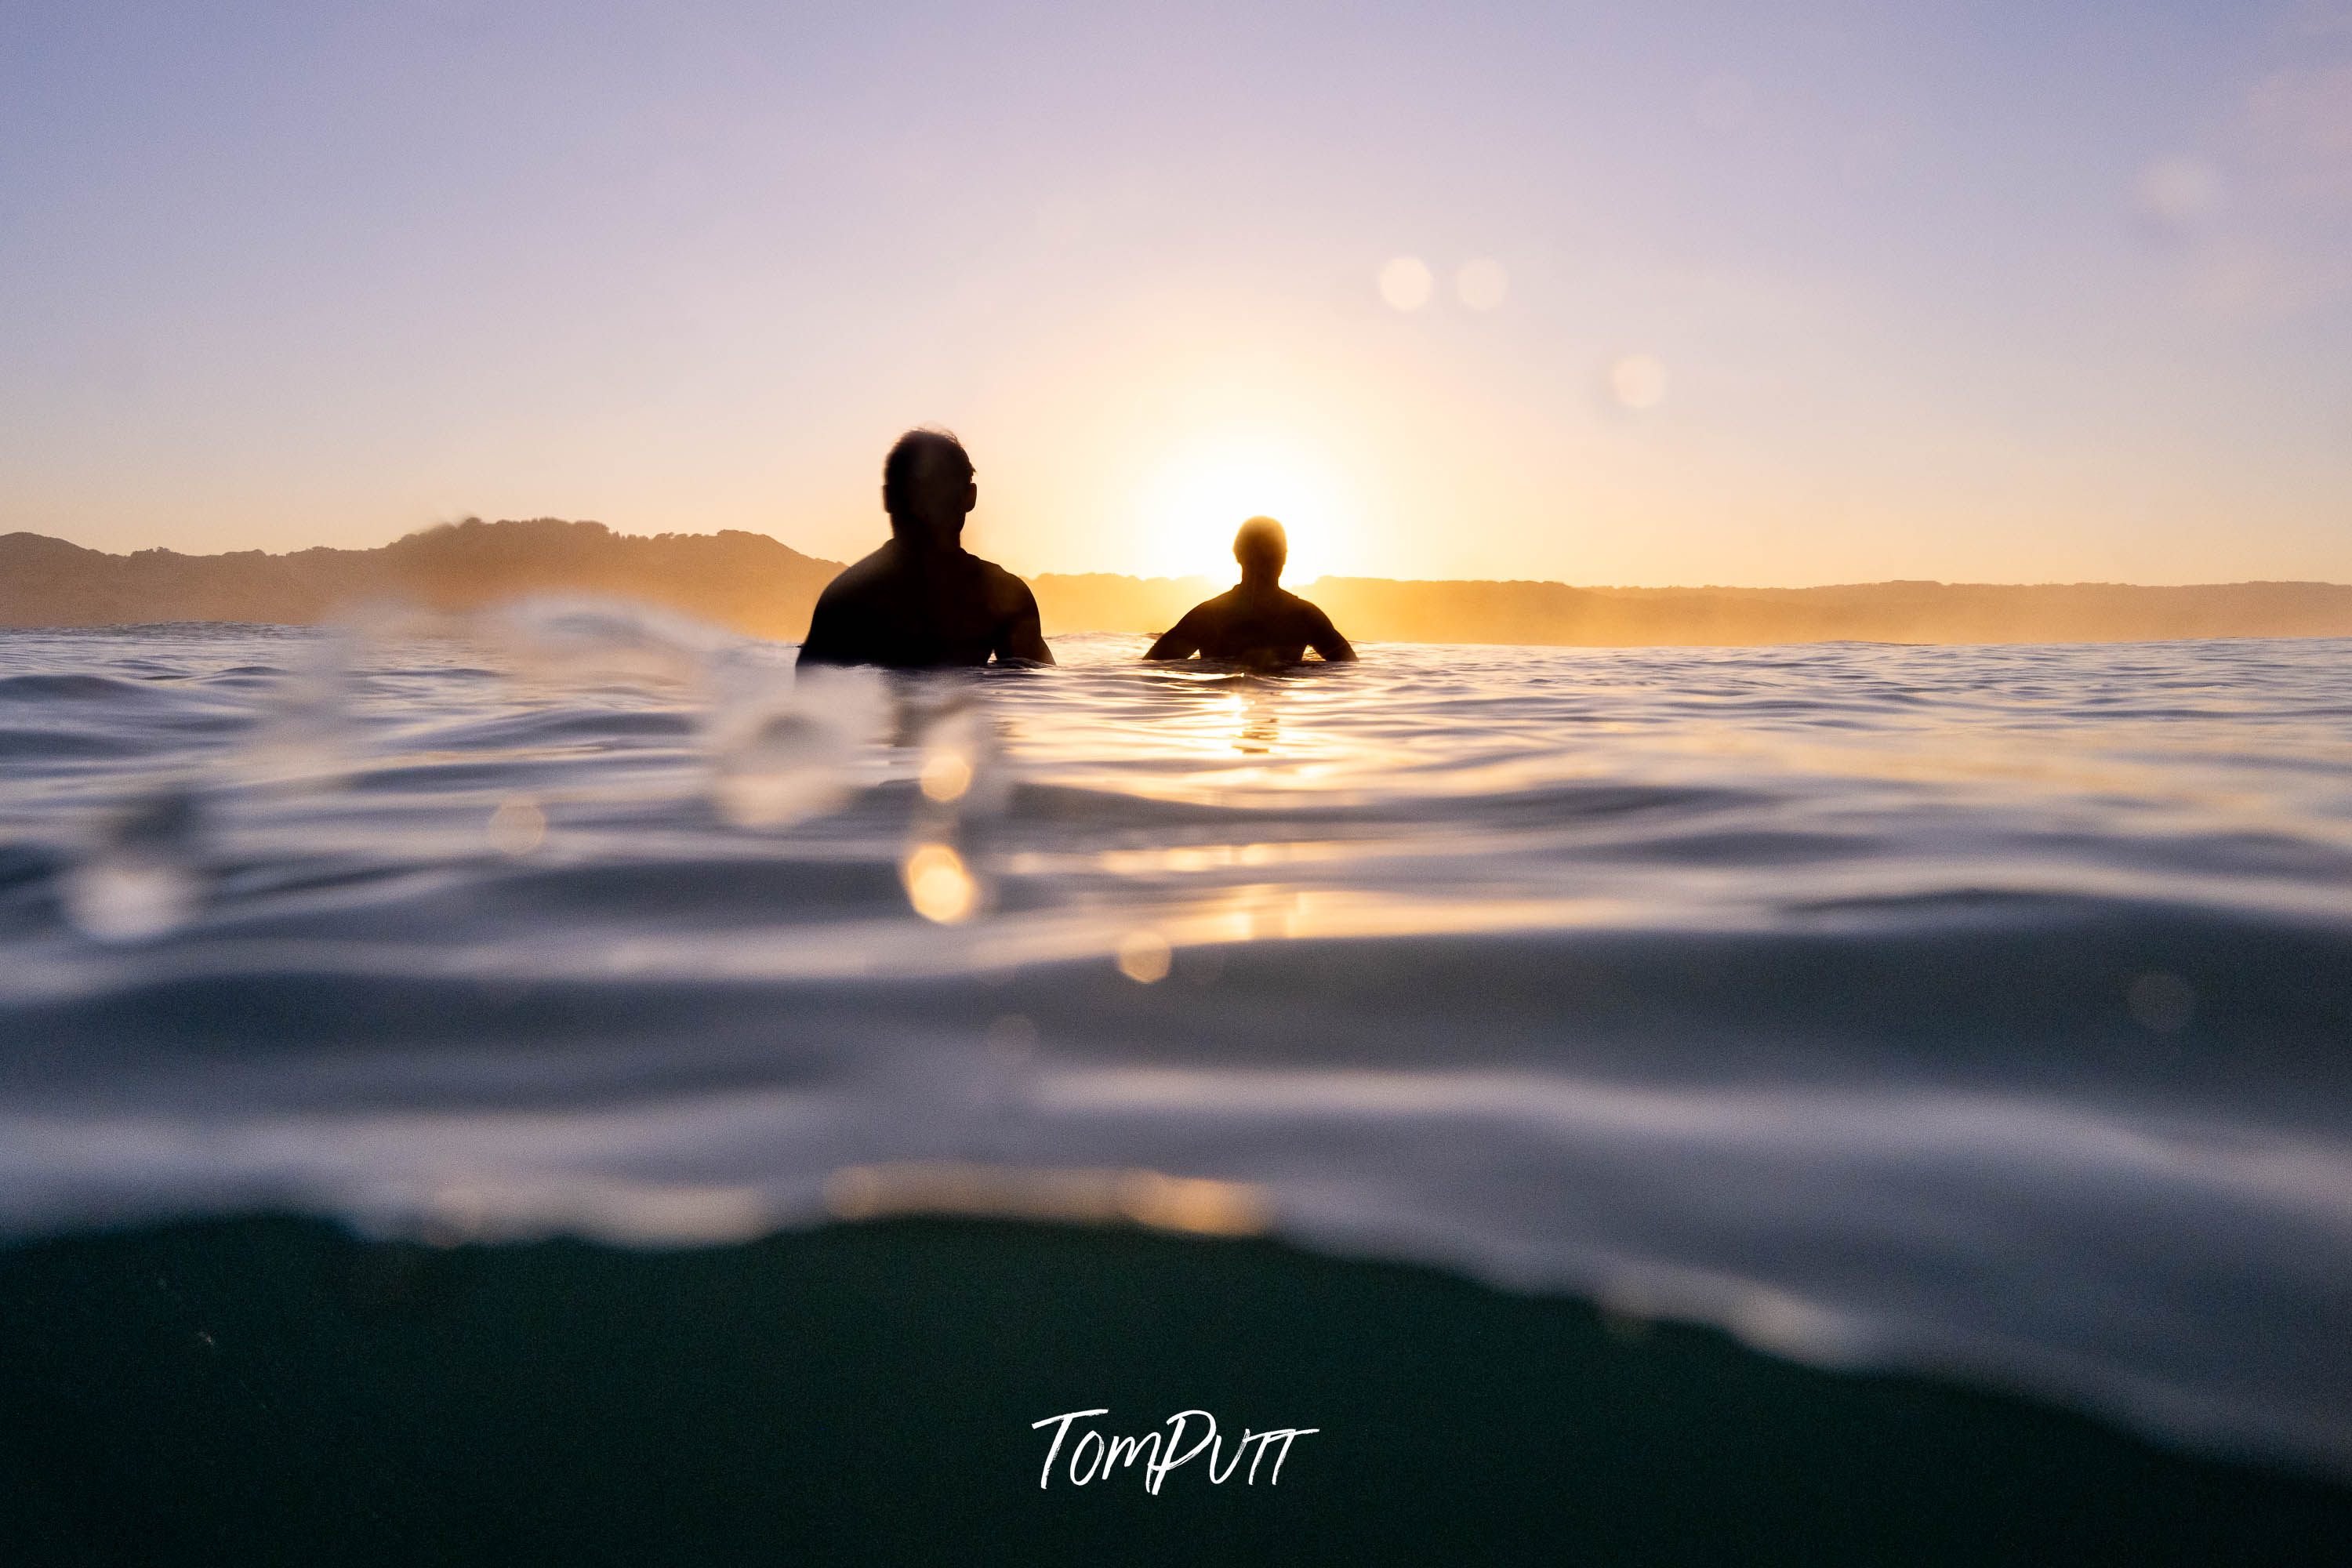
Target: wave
[(1961, 1010)]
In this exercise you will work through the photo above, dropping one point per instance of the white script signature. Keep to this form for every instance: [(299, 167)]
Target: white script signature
[(1093, 1457)]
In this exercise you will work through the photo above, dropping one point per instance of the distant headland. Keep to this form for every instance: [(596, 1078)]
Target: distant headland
[(755, 584), (743, 580)]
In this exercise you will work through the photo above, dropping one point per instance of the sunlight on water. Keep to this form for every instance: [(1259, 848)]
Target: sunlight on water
[(937, 884), (1012, 1192), (1144, 956), (946, 776)]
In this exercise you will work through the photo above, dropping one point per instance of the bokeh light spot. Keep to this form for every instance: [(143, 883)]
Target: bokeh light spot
[(1406, 283), (938, 886), (1482, 284), (518, 827), (946, 776), (1637, 383), (2174, 192), (130, 896), (1144, 956)]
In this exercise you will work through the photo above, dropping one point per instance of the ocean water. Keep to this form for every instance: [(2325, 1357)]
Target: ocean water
[(1976, 1011)]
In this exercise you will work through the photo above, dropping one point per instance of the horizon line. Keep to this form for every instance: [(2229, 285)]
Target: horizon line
[(1205, 576)]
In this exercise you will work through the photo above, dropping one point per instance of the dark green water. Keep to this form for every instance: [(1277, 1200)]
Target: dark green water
[(273, 1391)]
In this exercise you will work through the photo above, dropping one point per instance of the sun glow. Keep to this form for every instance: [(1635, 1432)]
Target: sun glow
[(1207, 489)]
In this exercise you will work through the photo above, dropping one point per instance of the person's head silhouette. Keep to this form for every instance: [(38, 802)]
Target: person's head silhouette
[(1263, 549), (922, 601), (1257, 622), (928, 490)]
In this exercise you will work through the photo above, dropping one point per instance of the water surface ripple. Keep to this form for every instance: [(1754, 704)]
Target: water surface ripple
[(1982, 1010)]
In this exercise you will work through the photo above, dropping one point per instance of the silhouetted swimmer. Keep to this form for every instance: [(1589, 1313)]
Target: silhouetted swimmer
[(922, 601), (1256, 623)]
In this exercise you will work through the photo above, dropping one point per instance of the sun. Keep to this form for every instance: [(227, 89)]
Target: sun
[(1207, 488)]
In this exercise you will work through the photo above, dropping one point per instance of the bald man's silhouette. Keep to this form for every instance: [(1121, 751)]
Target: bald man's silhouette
[(922, 601), (1256, 623)]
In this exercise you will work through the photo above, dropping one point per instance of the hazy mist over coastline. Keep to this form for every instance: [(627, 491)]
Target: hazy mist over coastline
[(752, 583)]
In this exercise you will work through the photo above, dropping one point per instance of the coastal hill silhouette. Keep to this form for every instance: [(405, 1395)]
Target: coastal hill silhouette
[(747, 580), (755, 584), (1381, 610)]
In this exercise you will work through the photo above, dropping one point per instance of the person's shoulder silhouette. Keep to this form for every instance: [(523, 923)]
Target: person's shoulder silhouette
[(922, 601), (1257, 621)]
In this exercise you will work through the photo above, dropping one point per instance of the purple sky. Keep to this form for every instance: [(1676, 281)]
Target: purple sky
[(1764, 293)]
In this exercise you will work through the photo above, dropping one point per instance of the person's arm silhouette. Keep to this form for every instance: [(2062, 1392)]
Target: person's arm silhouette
[(838, 631), (1324, 638), (1182, 640), (1023, 634)]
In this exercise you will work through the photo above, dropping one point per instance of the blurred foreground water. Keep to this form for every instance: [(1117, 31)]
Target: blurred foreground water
[(1977, 1011)]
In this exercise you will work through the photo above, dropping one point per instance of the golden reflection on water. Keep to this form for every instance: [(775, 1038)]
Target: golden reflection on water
[(1470, 790), (1083, 1196), (1259, 724), (945, 777), (1144, 956), (1433, 789), (938, 885), (1237, 739)]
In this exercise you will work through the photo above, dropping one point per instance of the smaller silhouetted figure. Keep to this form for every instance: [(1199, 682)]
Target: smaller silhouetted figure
[(922, 601), (1256, 623)]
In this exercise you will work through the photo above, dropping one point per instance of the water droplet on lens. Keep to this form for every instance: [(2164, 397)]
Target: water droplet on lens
[(142, 881), (130, 896), (304, 736), (778, 768), (518, 827)]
